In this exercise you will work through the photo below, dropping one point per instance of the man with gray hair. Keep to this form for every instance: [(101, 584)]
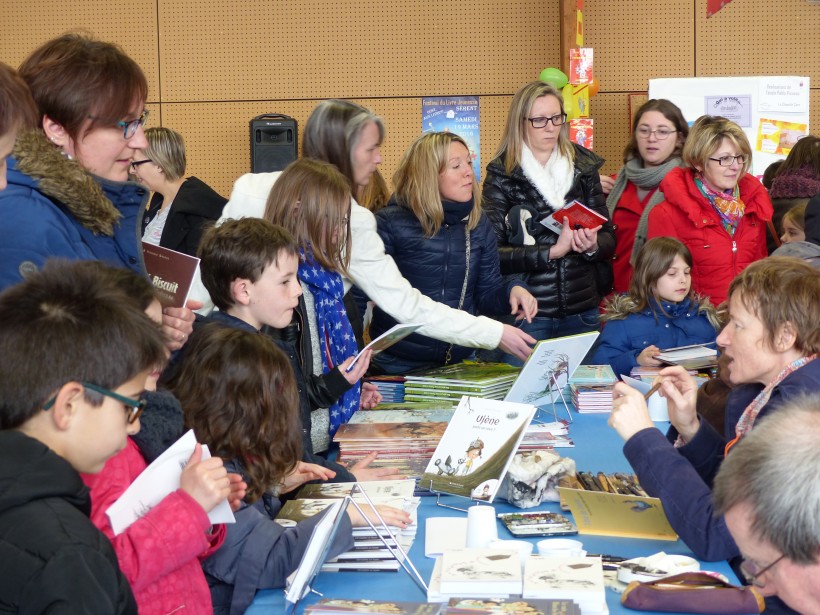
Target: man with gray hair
[(769, 493)]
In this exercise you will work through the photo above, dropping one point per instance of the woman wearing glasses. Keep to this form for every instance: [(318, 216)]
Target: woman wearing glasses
[(658, 134), (180, 207), (717, 209), (536, 171), (68, 192)]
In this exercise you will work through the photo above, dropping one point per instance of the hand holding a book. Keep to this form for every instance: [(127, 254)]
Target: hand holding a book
[(364, 473), (563, 246), (647, 356), (629, 412), (585, 240), (206, 481), (303, 473), (523, 304), (358, 370), (178, 324), (393, 517), (681, 392)]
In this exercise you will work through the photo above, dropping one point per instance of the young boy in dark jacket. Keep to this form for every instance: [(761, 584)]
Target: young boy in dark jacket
[(74, 357)]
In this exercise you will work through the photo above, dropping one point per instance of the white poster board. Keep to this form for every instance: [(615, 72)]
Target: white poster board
[(773, 111)]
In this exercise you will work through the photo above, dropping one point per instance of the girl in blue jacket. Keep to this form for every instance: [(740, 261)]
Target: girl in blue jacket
[(659, 311), (444, 245)]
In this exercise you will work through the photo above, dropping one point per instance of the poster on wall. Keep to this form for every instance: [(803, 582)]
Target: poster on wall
[(456, 114), (772, 110)]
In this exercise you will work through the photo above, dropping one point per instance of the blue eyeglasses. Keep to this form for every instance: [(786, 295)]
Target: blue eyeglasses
[(130, 128), (133, 407)]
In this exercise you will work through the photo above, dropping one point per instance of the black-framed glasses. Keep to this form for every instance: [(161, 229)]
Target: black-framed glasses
[(136, 163), (130, 128), (541, 122), (752, 573), (727, 161), (661, 134), (133, 407)]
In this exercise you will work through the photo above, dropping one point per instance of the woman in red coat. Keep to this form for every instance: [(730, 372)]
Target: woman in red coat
[(658, 134), (714, 206)]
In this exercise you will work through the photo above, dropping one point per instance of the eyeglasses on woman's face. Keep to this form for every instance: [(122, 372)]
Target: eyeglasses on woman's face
[(661, 134), (137, 163), (541, 122), (727, 161), (130, 127)]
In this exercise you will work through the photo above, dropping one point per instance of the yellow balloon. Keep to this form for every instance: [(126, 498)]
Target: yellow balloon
[(570, 102)]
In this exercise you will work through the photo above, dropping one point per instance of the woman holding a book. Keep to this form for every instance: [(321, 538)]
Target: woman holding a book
[(537, 172), (714, 206), (658, 134), (443, 244), (771, 342)]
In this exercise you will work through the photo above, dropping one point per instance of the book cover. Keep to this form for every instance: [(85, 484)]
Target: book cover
[(476, 449), (510, 606), (464, 571), (392, 336), (373, 489), (393, 431), (433, 413), (594, 374), (695, 356), (339, 606), (172, 273), (580, 579), (579, 215), (614, 514), (580, 65), (549, 368), (295, 511), (466, 373), (582, 131)]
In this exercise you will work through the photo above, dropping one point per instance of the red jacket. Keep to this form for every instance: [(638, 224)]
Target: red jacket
[(626, 216), (159, 554), (717, 257)]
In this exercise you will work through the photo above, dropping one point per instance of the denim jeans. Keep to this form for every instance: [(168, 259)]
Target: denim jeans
[(548, 328)]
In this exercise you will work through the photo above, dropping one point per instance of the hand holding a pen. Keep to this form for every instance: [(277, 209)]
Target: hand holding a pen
[(681, 392), (354, 371)]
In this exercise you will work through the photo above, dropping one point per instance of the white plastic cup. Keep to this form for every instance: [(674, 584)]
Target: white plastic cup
[(482, 528), (561, 547)]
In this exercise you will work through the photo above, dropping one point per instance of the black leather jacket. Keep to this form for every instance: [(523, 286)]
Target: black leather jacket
[(565, 286)]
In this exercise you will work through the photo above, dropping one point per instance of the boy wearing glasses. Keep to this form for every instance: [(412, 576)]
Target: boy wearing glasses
[(74, 357)]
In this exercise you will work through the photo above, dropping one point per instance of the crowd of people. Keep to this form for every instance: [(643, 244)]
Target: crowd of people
[(267, 378)]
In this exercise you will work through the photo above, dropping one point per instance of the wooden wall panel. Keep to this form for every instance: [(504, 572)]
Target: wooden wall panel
[(254, 50)]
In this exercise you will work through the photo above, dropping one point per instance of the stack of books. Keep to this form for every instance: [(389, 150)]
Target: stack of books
[(580, 579), (452, 382), (369, 553), (591, 388), (411, 412), (390, 387), (406, 447), (540, 436), (345, 606), (478, 573)]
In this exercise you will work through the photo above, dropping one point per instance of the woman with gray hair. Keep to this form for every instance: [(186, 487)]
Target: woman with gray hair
[(179, 208)]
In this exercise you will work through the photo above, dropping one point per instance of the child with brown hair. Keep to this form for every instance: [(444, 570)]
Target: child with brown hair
[(660, 310)]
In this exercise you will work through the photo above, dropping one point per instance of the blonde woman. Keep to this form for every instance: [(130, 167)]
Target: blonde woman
[(537, 171), (714, 206), (434, 229)]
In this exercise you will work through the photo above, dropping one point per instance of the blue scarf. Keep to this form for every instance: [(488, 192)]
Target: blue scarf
[(337, 341)]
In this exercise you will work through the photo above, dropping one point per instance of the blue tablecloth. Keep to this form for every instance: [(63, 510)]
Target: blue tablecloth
[(597, 448)]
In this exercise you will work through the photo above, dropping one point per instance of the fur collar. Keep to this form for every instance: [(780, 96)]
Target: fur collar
[(67, 182), (619, 306), (553, 180)]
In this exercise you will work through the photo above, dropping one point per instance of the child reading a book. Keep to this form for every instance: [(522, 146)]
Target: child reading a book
[(239, 395), (311, 200), (660, 310), (444, 245), (160, 552), (249, 268), (74, 357)]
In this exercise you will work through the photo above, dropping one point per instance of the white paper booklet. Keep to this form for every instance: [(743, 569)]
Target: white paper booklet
[(549, 368), (157, 481), (395, 334), (465, 571), (566, 578)]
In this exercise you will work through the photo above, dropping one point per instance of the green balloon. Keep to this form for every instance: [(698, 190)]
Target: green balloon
[(555, 77)]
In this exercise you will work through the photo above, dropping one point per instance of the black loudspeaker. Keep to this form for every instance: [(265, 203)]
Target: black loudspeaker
[(273, 142)]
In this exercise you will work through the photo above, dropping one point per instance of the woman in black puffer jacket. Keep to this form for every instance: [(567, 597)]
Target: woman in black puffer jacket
[(536, 172), (434, 229)]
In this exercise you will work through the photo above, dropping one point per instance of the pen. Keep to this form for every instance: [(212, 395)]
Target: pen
[(653, 390)]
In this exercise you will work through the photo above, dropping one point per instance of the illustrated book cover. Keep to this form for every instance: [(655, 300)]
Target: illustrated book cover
[(464, 571), (566, 578), (476, 449), (172, 273), (578, 214)]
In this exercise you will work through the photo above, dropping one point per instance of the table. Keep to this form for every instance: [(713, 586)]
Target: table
[(597, 447)]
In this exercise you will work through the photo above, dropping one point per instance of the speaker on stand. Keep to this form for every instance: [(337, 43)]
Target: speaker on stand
[(274, 139)]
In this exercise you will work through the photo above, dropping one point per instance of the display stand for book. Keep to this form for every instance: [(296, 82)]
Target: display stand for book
[(443, 505), (553, 380), (294, 595)]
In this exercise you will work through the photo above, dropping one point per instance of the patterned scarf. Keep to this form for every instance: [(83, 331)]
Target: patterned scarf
[(728, 206), (749, 416), (336, 337)]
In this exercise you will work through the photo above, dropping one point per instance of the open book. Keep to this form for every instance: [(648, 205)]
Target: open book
[(392, 336), (695, 356)]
